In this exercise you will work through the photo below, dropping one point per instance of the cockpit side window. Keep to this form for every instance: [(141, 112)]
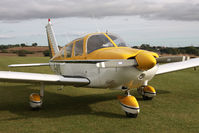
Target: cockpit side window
[(69, 50), (98, 41), (79, 47)]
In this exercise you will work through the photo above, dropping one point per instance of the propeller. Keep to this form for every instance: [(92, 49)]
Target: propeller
[(169, 59), (133, 62), (117, 63)]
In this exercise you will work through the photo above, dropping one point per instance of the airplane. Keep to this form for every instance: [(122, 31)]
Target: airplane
[(99, 60)]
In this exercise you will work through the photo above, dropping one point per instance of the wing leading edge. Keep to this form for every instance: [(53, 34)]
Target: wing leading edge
[(29, 65), (170, 67), (23, 77)]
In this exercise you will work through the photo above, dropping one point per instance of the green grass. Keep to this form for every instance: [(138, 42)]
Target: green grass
[(175, 109)]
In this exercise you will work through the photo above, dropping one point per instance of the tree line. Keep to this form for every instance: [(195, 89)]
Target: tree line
[(3, 46), (3, 49), (191, 50)]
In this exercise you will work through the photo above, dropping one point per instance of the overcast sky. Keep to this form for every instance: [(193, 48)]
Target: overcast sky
[(157, 22)]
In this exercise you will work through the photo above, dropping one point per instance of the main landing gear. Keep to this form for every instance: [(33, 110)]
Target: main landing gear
[(129, 104), (147, 92), (36, 99)]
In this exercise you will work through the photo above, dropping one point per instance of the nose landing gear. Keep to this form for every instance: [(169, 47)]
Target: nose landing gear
[(147, 92)]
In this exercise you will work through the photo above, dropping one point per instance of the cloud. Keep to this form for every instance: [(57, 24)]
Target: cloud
[(6, 37), (14, 10), (72, 34)]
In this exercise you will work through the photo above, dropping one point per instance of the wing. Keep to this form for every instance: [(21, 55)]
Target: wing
[(8, 76), (29, 65), (165, 68)]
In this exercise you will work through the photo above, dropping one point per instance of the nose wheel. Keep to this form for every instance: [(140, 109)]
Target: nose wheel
[(147, 92), (147, 98)]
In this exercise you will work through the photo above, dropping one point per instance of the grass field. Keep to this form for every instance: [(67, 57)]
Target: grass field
[(175, 109)]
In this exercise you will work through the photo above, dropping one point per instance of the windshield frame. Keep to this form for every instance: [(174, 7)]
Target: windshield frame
[(105, 35), (121, 43)]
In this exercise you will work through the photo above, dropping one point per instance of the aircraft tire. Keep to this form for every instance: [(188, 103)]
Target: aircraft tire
[(35, 109), (130, 115), (147, 98)]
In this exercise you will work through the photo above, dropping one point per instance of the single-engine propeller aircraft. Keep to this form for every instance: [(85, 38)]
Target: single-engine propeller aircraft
[(100, 60)]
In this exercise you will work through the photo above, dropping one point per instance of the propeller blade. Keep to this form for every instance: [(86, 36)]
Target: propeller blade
[(169, 59), (117, 63), (133, 62)]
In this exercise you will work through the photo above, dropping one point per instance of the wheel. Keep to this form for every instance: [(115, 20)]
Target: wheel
[(130, 115), (147, 98), (35, 101), (36, 109)]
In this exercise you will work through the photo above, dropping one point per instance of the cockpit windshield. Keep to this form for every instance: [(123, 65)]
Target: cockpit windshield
[(98, 41), (118, 41)]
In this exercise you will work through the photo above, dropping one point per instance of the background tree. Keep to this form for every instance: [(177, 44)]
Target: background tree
[(23, 44), (34, 44), (46, 53), (21, 53)]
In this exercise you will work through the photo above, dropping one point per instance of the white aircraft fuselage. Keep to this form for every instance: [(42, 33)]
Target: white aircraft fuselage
[(113, 78)]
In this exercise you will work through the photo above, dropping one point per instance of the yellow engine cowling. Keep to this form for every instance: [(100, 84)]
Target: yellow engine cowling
[(146, 60)]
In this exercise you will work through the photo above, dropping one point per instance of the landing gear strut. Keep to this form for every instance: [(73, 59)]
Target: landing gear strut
[(129, 104), (36, 99)]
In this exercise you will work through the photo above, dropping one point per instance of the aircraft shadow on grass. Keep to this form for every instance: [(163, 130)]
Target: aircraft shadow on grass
[(15, 100)]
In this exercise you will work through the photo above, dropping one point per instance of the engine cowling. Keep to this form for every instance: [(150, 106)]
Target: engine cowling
[(146, 60)]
